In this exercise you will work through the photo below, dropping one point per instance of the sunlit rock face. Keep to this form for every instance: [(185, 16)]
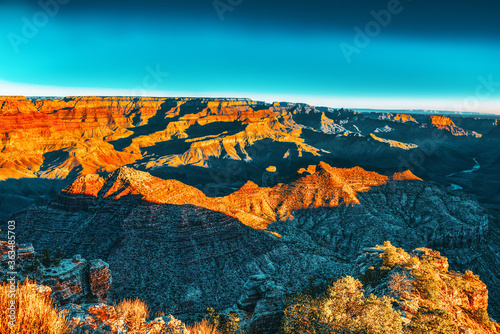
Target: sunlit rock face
[(393, 143), (401, 118), (254, 206), (51, 138), (446, 123)]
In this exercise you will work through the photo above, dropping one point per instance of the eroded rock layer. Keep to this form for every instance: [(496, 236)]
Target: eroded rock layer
[(254, 206), (54, 138)]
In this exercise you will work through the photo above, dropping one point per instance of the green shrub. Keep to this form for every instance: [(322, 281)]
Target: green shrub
[(341, 309), (225, 323), (482, 317), (431, 321), (390, 257)]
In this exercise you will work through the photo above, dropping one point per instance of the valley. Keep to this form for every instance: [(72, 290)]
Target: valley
[(191, 200)]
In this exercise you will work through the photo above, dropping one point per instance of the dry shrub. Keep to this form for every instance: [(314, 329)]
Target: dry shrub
[(133, 312), (203, 327), (35, 314), (400, 285)]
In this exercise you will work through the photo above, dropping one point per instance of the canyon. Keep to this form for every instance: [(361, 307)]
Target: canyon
[(234, 203)]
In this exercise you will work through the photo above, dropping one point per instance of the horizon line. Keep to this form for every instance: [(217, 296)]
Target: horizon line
[(458, 105)]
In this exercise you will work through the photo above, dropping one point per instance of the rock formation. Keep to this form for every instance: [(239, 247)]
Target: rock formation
[(423, 283), (264, 302), (73, 280), (254, 206), (401, 118), (270, 178), (446, 123), (134, 174), (53, 138)]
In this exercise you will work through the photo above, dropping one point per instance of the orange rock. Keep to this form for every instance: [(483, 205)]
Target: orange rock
[(254, 206), (446, 123), (402, 118), (406, 175), (78, 131)]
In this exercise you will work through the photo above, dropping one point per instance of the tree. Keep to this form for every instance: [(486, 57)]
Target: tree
[(343, 308)]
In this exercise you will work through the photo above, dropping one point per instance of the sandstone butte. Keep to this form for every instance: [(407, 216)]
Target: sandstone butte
[(254, 206), (446, 123), (402, 118), (80, 132)]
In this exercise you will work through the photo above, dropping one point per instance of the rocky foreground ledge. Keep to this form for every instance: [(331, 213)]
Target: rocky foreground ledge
[(426, 294)]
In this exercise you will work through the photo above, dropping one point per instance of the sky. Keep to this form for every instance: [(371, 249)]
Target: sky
[(392, 54)]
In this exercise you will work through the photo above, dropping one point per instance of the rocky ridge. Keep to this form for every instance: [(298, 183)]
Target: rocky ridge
[(254, 206), (401, 118), (393, 143)]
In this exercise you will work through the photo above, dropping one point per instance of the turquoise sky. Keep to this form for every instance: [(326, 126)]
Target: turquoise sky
[(198, 53)]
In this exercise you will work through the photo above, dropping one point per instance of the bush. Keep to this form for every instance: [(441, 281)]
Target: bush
[(203, 327), (134, 313), (47, 259), (341, 309), (374, 275), (390, 257), (225, 323), (35, 314), (58, 256), (32, 264), (400, 285), (431, 321), (482, 317)]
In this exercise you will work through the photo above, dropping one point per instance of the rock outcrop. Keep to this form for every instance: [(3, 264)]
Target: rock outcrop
[(78, 280), (393, 143), (330, 127), (73, 280), (270, 178), (263, 301), (99, 279), (421, 284), (446, 123)]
